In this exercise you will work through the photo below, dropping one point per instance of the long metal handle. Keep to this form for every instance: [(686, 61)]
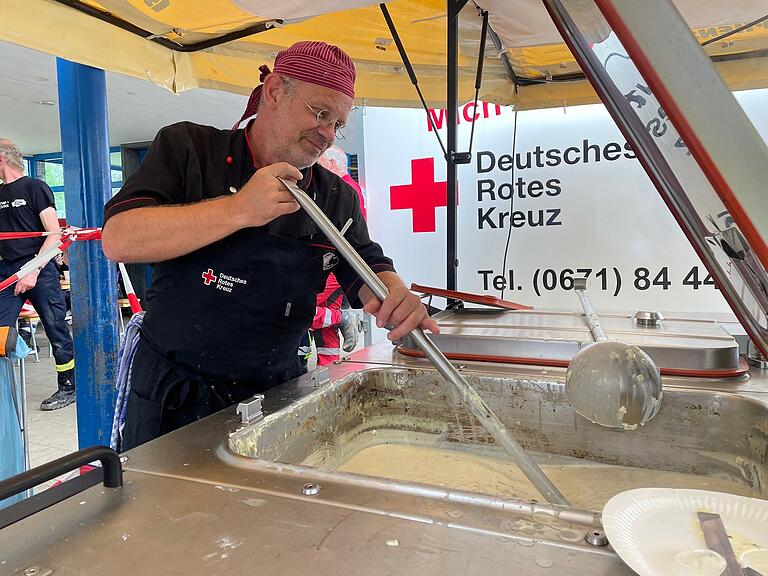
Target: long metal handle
[(475, 402), (593, 320)]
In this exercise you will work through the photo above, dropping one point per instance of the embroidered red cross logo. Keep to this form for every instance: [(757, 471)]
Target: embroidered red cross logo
[(208, 277), (423, 195)]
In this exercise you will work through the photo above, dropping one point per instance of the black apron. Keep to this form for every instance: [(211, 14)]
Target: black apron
[(226, 325)]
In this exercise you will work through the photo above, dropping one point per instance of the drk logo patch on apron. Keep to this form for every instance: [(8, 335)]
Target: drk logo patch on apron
[(222, 282)]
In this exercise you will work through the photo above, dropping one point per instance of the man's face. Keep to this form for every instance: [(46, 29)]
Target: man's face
[(301, 137)]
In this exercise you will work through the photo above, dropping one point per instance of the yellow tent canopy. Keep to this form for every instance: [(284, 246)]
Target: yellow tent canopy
[(153, 39)]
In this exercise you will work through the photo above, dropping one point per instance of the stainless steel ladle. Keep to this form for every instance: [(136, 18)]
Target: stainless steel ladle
[(608, 382)]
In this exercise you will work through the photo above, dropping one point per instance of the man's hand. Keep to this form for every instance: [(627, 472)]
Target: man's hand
[(264, 198), (27, 283), (402, 309), (170, 231)]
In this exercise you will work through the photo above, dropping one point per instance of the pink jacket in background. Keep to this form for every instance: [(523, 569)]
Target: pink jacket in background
[(328, 310), (351, 181)]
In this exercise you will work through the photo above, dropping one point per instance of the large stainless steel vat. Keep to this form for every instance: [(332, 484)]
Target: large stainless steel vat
[(702, 433)]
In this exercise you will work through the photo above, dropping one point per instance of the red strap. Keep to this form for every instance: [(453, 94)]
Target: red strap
[(484, 299)]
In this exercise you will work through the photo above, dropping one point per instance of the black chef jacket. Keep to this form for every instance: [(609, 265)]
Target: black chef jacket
[(237, 309)]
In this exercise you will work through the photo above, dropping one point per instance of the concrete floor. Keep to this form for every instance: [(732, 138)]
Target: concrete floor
[(51, 434)]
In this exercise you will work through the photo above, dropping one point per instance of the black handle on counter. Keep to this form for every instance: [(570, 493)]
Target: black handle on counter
[(110, 462)]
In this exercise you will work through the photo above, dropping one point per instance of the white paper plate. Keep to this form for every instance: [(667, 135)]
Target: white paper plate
[(649, 527)]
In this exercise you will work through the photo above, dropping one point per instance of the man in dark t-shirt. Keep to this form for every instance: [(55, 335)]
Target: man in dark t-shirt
[(27, 205)]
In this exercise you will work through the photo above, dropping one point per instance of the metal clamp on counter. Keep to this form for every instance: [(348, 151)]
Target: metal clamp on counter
[(250, 410)]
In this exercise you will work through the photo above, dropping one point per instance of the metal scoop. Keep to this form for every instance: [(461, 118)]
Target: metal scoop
[(608, 382), (475, 402)]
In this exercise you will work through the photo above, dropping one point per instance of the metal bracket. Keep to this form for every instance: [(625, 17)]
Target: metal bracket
[(250, 410), (320, 376), (460, 157), (734, 244), (758, 361)]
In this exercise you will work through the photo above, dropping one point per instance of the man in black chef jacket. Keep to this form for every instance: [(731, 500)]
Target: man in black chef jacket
[(237, 264)]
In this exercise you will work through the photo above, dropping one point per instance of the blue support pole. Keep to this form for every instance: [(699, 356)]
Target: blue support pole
[(87, 186)]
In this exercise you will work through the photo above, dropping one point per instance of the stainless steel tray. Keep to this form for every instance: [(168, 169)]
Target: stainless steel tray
[(704, 434), (677, 344)]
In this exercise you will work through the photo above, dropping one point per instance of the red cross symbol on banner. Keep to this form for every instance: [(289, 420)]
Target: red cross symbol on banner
[(423, 195), (208, 277)]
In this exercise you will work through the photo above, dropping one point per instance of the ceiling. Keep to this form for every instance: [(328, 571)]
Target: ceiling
[(137, 108)]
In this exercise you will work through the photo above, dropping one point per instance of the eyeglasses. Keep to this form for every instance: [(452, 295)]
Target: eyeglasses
[(325, 118)]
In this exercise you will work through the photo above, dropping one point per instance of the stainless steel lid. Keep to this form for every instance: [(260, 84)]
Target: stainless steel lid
[(674, 343)]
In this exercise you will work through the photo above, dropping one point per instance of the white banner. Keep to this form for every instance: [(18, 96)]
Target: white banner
[(573, 201)]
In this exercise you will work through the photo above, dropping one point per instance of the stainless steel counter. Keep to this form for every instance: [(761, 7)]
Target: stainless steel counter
[(163, 525), (192, 506)]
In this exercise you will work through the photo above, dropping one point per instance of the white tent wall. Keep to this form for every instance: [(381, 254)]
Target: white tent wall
[(593, 211)]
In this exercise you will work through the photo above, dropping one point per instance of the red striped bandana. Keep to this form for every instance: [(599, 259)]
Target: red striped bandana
[(315, 62)]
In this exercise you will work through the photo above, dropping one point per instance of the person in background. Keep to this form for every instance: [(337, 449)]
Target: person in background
[(333, 313), (27, 205), (336, 160)]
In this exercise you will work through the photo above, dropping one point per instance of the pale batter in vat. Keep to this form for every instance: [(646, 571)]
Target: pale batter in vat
[(585, 484)]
